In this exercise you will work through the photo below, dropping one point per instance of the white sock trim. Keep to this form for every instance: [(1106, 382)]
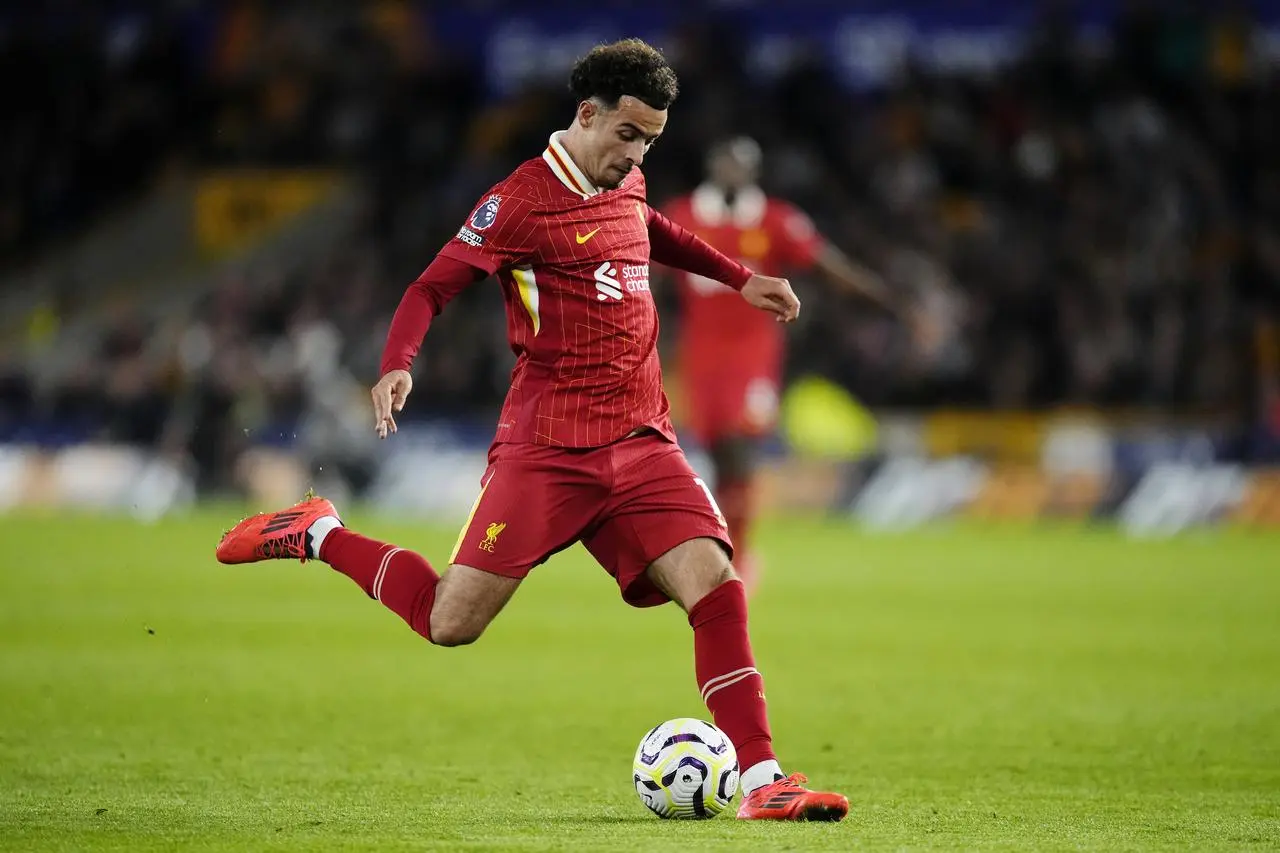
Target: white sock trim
[(319, 529), (760, 774), (714, 684), (382, 572), (725, 684)]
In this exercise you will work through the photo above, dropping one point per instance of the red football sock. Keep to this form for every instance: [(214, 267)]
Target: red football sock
[(400, 579), (726, 670)]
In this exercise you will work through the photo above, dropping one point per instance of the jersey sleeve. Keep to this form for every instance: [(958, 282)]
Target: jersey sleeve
[(444, 279), (497, 234), (677, 247), (795, 234)]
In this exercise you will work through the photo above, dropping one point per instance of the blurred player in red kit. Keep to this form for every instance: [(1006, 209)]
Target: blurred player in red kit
[(731, 356), (584, 448)]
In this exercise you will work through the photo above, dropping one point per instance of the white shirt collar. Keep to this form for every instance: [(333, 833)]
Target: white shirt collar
[(563, 167), (709, 207)]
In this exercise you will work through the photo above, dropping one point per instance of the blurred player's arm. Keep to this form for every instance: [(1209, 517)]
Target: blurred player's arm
[(444, 279), (854, 279), (675, 246), (804, 247)]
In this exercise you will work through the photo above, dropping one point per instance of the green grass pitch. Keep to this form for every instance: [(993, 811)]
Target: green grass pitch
[(969, 688)]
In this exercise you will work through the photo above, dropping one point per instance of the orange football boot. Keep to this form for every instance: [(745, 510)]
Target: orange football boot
[(785, 799), (274, 535)]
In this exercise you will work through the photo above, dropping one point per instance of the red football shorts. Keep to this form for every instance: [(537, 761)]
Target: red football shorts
[(628, 502), (732, 404)]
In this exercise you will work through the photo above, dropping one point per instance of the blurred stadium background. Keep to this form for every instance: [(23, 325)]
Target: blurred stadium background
[(211, 209)]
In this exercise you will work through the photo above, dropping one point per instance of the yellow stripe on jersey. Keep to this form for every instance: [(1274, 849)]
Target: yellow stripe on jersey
[(462, 534), (527, 287)]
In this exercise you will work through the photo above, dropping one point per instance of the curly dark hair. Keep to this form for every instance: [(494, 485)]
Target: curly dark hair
[(628, 67)]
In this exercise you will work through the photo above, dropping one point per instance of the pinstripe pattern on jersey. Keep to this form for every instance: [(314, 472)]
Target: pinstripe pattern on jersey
[(587, 369)]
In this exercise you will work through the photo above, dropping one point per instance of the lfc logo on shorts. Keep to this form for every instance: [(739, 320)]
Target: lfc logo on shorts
[(491, 535)]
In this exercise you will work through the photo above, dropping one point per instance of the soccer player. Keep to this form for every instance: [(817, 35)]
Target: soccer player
[(730, 354), (584, 449)]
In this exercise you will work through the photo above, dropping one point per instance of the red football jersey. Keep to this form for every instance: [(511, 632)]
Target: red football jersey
[(573, 263), (720, 331)]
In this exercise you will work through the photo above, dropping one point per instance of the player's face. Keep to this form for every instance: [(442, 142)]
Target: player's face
[(729, 171), (618, 139)]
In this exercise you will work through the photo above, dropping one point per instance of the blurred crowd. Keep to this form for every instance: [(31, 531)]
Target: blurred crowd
[(1091, 226)]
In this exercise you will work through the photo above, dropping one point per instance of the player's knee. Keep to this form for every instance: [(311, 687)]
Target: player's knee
[(691, 570), (451, 629), (713, 574), (725, 574), (466, 601)]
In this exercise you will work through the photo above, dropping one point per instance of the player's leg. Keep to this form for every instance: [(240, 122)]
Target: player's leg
[(696, 574), (733, 459), (728, 413), (736, 456), (547, 500), (450, 610), (663, 539), (467, 600)]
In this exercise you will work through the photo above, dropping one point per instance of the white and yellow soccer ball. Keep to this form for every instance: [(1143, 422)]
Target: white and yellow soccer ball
[(686, 768)]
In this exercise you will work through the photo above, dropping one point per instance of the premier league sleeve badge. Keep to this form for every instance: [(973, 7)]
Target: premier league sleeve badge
[(486, 213)]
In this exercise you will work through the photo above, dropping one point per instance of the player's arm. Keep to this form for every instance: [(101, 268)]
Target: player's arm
[(444, 279), (803, 247), (674, 246), (852, 278), (497, 235)]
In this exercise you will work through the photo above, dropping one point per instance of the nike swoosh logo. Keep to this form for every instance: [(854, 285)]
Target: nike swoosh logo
[(582, 238)]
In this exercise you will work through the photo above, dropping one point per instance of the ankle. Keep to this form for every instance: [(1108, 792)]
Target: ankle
[(760, 774), (318, 532)]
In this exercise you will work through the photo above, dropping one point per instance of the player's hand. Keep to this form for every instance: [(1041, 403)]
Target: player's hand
[(773, 295), (928, 333), (388, 397)]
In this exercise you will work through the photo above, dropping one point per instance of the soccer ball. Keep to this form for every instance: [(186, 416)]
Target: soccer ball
[(686, 768)]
